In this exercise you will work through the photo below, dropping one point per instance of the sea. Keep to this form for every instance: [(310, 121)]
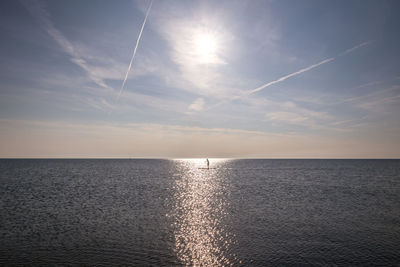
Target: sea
[(173, 212)]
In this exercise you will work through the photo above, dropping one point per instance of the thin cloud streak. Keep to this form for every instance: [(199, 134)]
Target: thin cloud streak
[(290, 75), (39, 12), (355, 48), (250, 92), (134, 51), (306, 69)]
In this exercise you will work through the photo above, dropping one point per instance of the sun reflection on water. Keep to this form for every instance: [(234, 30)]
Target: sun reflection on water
[(201, 237)]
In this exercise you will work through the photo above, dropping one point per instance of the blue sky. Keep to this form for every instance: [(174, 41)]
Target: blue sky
[(209, 79)]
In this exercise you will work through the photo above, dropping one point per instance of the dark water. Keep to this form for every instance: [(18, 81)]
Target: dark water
[(169, 212)]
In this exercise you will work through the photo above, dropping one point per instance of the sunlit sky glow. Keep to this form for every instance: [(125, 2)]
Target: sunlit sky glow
[(273, 79), (205, 47)]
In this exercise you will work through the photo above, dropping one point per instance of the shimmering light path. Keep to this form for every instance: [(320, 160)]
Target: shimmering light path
[(201, 235)]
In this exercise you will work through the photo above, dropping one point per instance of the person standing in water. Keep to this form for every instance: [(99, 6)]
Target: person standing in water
[(208, 164)]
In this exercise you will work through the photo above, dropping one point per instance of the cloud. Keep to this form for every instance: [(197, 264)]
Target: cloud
[(135, 100), (381, 105), (282, 118), (39, 12), (197, 105), (199, 72), (288, 117), (374, 94), (183, 35), (247, 93), (307, 112)]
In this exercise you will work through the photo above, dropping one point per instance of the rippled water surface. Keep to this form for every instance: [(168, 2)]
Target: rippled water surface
[(170, 212)]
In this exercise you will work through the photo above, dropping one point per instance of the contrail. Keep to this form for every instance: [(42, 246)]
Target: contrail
[(134, 51), (305, 69), (354, 48), (290, 75), (249, 92)]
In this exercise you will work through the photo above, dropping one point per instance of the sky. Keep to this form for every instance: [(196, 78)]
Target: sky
[(178, 79)]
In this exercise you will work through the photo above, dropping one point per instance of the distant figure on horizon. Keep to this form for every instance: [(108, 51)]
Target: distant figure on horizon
[(208, 164)]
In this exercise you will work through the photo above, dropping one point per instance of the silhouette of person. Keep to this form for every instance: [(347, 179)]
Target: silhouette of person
[(208, 164)]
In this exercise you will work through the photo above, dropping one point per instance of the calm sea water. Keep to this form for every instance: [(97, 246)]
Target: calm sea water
[(169, 212)]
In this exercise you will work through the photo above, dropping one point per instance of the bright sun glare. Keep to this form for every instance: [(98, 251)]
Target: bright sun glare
[(206, 47)]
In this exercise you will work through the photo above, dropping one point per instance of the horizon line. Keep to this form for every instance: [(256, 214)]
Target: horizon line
[(175, 158)]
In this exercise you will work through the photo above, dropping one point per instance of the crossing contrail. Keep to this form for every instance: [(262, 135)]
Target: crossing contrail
[(134, 50)]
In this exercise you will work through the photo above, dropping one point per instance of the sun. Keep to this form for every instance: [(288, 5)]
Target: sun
[(206, 44), (205, 47)]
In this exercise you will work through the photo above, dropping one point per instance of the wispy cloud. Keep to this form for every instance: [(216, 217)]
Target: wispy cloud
[(197, 105), (381, 104), (377, 94), (288, 117), (284, 118), (262, 87), (202, 74), (306, 112), (135, 101), (38, 10), (135, 49)]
